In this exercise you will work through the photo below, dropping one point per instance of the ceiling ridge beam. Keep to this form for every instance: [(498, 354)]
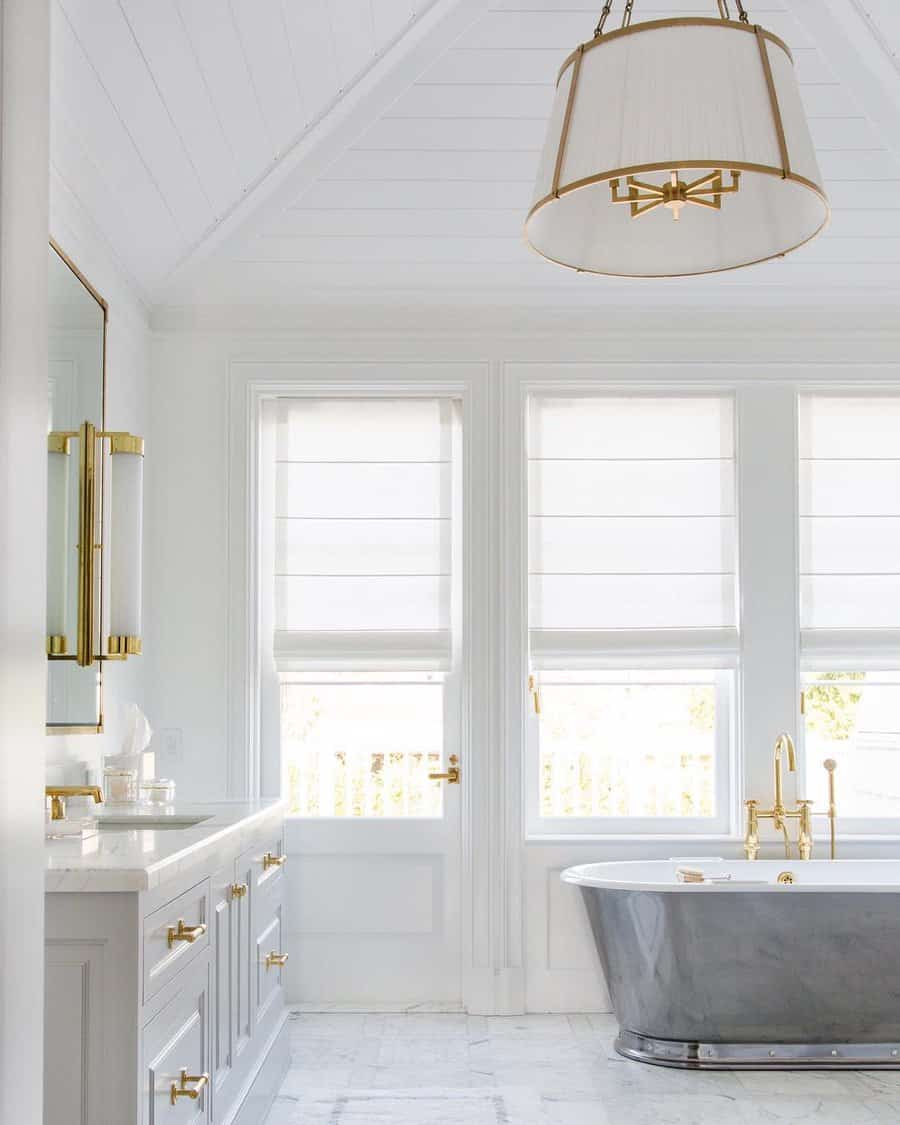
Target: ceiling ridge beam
[(371, 95)]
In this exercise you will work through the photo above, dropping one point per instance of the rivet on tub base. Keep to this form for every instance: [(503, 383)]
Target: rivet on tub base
[(758, 1056)]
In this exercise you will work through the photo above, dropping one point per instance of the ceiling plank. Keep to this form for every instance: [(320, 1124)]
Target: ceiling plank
[(867, 70), (186, 96), (390, 75)]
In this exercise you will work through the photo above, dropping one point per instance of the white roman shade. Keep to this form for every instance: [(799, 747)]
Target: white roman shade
[(631, 530), (849, 506), (363, 532)]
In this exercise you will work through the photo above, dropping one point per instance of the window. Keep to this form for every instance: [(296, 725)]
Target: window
[(849, 510), (632, 609), (364, 601)]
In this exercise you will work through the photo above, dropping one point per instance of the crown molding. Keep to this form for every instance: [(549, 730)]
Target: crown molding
[(490, 320)]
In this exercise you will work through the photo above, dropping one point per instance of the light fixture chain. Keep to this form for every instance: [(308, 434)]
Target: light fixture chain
[(604, 15), (724, 12)]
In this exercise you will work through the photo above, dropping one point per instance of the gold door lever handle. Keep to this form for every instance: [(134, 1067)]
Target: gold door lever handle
[(184, 1091), (185, 933), (452, 774)]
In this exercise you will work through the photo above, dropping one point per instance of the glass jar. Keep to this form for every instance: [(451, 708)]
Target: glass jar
[(120, 786), (158, 791)]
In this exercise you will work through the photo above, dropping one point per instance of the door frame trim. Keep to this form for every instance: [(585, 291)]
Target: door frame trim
[(489, 859)]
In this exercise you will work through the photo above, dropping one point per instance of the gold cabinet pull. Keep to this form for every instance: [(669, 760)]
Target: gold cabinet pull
[(452, 774), (270, 860), (182, 1090), (186, 933), (274, 958), (239, 890)]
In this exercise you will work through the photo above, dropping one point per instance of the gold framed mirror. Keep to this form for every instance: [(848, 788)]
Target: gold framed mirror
[(78, 317)]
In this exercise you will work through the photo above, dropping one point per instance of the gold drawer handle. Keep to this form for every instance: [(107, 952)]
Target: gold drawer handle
[(182, 1091), (270, 860), (186, 933), (276, 959), (239, 890)]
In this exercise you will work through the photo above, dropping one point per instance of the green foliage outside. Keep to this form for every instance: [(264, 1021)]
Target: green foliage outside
[(832, 708)]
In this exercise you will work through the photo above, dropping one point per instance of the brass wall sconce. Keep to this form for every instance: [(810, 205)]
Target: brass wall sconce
[(122, 454)]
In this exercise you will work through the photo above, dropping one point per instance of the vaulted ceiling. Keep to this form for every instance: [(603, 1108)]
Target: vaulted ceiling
[(293, 151)]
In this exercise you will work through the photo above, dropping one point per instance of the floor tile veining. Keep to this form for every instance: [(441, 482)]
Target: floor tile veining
[(418, 1068)]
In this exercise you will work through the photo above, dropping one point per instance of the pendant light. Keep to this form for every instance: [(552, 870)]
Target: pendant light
[(676, 147)]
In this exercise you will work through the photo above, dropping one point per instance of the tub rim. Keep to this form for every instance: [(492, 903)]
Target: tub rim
[(609, 875)]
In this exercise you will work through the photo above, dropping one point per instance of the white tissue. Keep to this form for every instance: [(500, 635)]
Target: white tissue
[(135, 741)]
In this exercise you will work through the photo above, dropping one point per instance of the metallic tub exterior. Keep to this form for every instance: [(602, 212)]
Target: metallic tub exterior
[(738, 979)]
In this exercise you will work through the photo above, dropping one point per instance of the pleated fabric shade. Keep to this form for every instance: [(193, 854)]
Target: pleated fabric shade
[(696, 119)]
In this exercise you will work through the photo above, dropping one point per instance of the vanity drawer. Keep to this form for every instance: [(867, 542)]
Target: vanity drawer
[(176, 1041), (173, 936), (269, 861), (268, 947)]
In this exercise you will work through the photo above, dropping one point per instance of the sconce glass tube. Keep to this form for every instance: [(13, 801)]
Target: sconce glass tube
[(125, 543), (58, 461)]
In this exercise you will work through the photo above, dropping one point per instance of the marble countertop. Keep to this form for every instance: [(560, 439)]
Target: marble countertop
[(128, 858)]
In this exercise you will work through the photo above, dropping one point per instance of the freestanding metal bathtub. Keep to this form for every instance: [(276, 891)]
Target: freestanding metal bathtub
[(748, 973)]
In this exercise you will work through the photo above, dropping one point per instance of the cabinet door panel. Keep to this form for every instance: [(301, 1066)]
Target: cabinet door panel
[(268, 943), (175, 1040), (224, 969), (242, 1012)]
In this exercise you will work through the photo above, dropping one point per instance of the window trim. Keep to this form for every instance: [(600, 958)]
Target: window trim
[(716, 649), (539, 827)]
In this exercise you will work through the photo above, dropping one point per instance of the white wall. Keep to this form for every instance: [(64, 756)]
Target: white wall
[(127, 408), (24, 128), (542, 927)]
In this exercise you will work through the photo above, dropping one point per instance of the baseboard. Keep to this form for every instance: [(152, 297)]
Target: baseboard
[(263, 1084), (494, 992)]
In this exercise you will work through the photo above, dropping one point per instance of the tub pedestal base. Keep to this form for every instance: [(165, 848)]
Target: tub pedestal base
[(758, 1056)]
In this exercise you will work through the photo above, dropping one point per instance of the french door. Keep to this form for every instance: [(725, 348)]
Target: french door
[(373, 839)]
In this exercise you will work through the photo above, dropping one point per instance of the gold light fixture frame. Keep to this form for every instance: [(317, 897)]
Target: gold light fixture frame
[(90, 542), (705, 191), (764, 39)]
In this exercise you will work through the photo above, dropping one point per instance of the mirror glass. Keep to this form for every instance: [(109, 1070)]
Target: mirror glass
[(77, 328)]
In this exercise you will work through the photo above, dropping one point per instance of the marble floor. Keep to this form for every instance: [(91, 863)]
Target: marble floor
[(453, 1069)]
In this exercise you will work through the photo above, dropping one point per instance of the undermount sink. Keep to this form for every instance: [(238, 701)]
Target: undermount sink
[(113, 823)]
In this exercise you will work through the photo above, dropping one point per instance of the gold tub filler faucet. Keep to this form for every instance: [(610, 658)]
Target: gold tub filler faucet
[(780, 815)]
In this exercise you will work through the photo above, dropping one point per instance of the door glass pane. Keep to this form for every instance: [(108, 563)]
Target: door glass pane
[(628, 744), (362, 749), (854, 718)]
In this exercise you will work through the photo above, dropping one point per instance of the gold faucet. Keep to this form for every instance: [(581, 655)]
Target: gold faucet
[(59, 793), (778, 814)]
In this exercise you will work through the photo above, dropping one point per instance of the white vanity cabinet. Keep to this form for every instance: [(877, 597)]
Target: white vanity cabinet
[(164, 1005)]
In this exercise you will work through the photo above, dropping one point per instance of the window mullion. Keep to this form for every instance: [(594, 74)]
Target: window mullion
[(767, 544)]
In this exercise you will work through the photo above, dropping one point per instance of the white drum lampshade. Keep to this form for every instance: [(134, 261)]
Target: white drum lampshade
[(676, 147), (126, 538)]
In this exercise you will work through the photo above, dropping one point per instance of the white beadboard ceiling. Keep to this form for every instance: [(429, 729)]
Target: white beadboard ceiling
[(295, 151)]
